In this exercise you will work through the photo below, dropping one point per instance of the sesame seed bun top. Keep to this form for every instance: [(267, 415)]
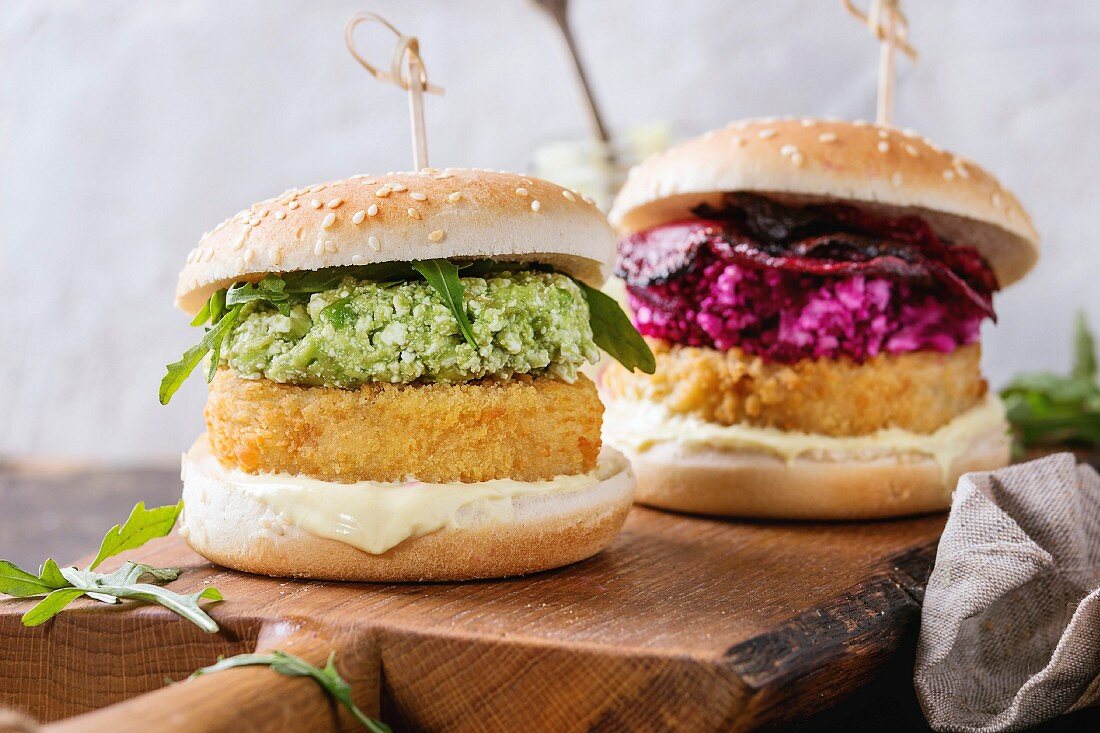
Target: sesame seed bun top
[(397, 217), (888, 171)]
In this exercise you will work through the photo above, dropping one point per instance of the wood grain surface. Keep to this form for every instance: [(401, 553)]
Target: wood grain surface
[(685, 623)]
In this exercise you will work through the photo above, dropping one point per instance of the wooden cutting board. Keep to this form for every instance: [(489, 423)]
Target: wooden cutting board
[(684, 623)]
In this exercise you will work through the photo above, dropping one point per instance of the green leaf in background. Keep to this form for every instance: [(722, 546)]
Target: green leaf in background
[(291, 666), (1055, 409), (614, 333), (141, 526), (442, 275), (1084, 351)]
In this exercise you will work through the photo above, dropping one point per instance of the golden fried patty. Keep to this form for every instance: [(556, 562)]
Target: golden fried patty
[(919, 391), (524, 428)]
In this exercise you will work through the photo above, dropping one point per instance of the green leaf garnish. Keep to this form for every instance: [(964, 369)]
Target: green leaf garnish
[(211, 343), (62, 586), (614, 333), (141, 526), (1053, 409), (291, 666), (442, 275)]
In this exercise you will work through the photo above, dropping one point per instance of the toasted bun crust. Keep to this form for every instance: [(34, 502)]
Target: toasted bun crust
[(743, 484), (453, 213), (233, 528), (889, 171)]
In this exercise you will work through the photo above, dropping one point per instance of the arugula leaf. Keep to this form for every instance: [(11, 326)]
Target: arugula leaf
[(211, 342), (291, 666), (61, 586), (442, 275), (268, 290), (614, 333), (1052, 409), (17, 582), (141, 526)]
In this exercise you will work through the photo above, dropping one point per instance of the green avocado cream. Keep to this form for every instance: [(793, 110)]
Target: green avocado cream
[(523, 322)]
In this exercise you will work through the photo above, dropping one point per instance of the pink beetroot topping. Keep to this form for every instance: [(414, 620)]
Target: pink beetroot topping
[(786, 316)]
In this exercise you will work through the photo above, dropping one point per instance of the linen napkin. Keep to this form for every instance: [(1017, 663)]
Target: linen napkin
[(1010, 630)]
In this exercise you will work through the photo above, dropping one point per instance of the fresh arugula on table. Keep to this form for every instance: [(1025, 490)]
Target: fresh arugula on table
[(611, 328), (61, 586), (288, 664), (1054, 409)]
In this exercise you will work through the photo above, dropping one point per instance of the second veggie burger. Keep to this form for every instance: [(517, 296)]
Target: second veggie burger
[(394, 385), (814, 291)]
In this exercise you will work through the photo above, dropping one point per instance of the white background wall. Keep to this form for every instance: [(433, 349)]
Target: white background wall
[(129, 128)]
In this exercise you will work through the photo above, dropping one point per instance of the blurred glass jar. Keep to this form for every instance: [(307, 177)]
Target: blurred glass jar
[(595, 169)]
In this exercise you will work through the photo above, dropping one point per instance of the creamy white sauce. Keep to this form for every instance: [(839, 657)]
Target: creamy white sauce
[(638, 426), (375, 516)]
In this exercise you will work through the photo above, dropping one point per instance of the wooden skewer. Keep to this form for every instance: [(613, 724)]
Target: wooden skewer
[(407, 70), (887, 23)]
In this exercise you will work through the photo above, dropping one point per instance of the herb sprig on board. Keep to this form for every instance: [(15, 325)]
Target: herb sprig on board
[(1055, 409), (61, 586), (611, 328), (288, 664)]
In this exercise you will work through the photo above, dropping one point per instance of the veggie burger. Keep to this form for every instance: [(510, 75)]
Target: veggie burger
[(813, 291), (394, 377)]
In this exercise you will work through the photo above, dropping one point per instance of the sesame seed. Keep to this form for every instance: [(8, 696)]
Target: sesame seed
[(948, 174), (883, 147), (436, 236), (896, 179), (528, 181), (358, 216), (373, 242), (807, 122), (827, 137), (331, 246), (961, 168), (442, 176), (249, 253), (238, 242), (383, 192), (372, 210), (521, 191), (292, 205), (358, 260), (414, 214), (788, 149), (417, 196), (264, 212), (883, 134), (334, 203), (315, 204), (454, 197), (797, 160), (766, 134), (568, 195), (328, 221), (280, 214), (535, 205), (588, 200), (319, 248), (316, 188), (737, 140), (254, 221), (398, 187), (910, 149)]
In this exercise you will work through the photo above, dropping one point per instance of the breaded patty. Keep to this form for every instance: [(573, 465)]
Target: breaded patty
[(919, 391), (524, 428)]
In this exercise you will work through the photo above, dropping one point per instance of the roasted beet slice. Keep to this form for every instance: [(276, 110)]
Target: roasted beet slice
[(658, 254)]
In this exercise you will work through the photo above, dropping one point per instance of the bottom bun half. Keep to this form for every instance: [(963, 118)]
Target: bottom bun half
[(733, 483), (226, 521)]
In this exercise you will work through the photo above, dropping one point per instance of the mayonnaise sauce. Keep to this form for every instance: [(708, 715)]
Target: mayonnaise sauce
[(375, 516), (639, 426)]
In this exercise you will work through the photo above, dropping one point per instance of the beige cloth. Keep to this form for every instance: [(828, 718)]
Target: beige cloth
[(1010, 630)]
